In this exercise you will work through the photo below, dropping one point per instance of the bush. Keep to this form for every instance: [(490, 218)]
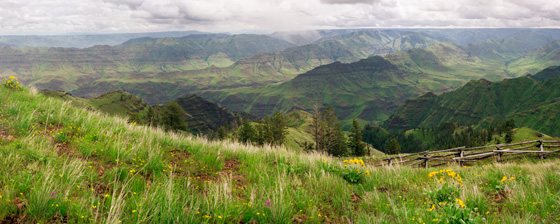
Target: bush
[(12, 83)]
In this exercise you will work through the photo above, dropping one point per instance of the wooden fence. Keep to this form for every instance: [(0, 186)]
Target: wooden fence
[(462, 154)]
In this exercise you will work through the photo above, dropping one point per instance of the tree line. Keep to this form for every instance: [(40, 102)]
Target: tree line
[(171, 117), (329, 137), (444, 136)]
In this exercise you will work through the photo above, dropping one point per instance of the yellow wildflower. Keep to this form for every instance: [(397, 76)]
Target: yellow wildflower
[(504, 179), (460, 202), (431, 209)]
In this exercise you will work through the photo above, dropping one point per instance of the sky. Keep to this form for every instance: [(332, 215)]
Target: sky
[(51, 17)]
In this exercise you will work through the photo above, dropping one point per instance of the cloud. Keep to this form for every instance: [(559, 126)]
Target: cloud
[(348, 1), (64, 16)]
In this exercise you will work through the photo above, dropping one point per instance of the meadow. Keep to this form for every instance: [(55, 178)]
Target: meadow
[(61, 163)]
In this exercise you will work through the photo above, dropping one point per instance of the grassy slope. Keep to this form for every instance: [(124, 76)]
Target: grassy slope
[(531, 103), (118, 103), (105, 170), (545, 56)]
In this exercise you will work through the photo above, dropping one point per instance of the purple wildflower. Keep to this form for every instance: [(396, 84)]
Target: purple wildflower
[(268, 203), (53, 193)]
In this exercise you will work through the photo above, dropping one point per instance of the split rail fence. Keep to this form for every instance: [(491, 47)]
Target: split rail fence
[(463, 155)]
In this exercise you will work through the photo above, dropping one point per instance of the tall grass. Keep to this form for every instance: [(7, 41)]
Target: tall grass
[(109, 171)]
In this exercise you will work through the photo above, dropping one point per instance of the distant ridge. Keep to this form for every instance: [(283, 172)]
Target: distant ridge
[(532, 101)]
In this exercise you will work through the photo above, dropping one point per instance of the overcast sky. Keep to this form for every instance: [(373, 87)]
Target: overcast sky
[(116, 16)]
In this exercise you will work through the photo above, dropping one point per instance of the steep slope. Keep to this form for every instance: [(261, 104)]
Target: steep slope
[(548, 55), (204, 115), (361, 92), (372, 89), (113, 103), (63, 164), (530, 103)]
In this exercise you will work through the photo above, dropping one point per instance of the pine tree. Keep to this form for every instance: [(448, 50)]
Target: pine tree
[(133, 118), (338, 145), (222, 134), (247, 132), (317, 127), (173, 117), (393, 147), (152, 118), (357, 147), (330, 128), (279, 128), (509, 136)]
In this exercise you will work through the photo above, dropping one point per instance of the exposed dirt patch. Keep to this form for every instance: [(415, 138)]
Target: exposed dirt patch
[(231, 169), (383, 189), (19, 217), (4, 135), (64, 149), (14, 218), (100, 189), (101, 169), (301, 219), (180, 161), (499, 196), (53, 129), (57, 218), (204, 176), (355, 197), (231, 165)]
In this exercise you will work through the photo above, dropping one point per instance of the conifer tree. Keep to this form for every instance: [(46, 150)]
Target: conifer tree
[(355, 143), (133, 118), (247, 132), (222, 134), (317, 127), (393, 147), (152, 118), (278, 128), (509, 136), (338, 145), (173, 117)]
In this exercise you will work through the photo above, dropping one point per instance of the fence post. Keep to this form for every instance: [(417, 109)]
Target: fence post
[(426, 160), (541, 145), (461, 154), (499, 154), (390, 161)]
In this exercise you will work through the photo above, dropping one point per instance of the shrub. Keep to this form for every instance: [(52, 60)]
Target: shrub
[(12, 83)]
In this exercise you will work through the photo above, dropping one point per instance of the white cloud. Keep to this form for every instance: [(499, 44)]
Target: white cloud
[(65, 16)]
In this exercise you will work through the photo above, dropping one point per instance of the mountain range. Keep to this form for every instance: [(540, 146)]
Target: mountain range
[(371, 89), (532, 101), (260, 74)]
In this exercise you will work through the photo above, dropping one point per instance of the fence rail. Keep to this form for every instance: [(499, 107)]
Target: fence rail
[(458, 154)]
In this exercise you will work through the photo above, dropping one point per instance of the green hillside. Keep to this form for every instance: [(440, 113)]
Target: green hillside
[(529, 102), (371, 89), (113, 103), (202, 116), (545, 56), (65, 164)]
